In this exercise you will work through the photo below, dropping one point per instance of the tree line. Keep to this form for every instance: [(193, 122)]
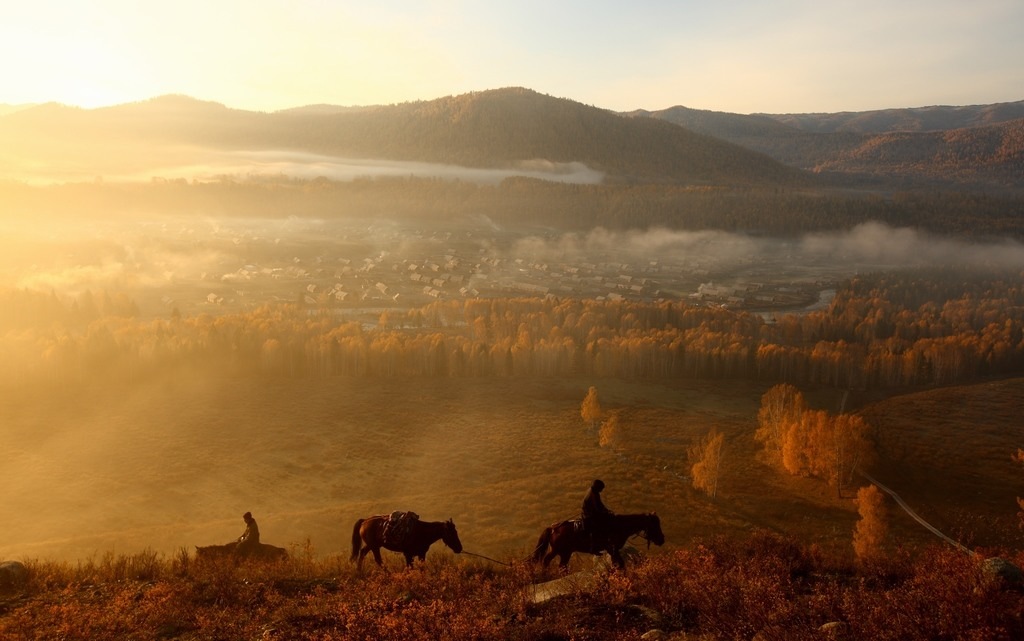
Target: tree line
[(775, 210), (880, 331)]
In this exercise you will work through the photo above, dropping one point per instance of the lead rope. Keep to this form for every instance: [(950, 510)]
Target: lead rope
[(487, 558)]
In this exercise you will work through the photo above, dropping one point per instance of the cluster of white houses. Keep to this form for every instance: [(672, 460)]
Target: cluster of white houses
[(386, 278)]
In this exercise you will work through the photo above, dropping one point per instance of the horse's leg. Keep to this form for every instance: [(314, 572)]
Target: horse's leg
[(550, 555), (376, 557), (616, 556), (408, 559), (564, 563)]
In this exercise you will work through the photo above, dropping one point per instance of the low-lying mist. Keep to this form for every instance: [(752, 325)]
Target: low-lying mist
[(178, 259), (197, 164), (871, 246)]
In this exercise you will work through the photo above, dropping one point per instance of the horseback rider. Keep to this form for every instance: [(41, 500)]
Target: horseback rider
[(250, 539), (596, 516)]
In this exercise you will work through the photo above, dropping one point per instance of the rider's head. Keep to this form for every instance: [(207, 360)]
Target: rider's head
[(597, 485), (247, 517)]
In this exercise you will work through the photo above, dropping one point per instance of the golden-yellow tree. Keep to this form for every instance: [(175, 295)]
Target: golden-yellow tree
[(871, 531), (706, 462), (590, 409), (828, 447), (801, 442), (781, 407), (849, 447), (610, 432)]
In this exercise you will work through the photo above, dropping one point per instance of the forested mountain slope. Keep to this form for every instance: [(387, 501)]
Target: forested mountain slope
[(498, 128), (979, 146)]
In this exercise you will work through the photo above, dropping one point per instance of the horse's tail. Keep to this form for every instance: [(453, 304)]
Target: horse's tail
[(542, 545), (356, 542)]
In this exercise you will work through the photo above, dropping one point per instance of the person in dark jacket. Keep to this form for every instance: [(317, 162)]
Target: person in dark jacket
[(596, 516), (250, 539)]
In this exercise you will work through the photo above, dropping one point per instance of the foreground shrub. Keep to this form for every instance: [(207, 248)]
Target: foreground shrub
[(766, 585)]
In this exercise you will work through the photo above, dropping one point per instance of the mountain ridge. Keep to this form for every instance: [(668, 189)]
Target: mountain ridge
[(494, 128), (980, 146)]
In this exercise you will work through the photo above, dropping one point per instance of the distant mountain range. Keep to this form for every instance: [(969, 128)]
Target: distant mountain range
[(980, 146)]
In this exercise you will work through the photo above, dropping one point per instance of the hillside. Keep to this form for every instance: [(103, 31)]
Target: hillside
[(966, 146), (503, 457), (507, 461), (916, 119), (948, 451), (499, 128)]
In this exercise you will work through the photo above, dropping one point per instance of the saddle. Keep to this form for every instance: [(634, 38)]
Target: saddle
[(397, 527), (594, 538)]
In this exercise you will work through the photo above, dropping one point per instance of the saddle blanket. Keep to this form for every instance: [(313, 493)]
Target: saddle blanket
[(397, 526)]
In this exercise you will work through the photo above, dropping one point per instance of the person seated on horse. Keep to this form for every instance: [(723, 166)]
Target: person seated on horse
[(250, 539), (596, 516)]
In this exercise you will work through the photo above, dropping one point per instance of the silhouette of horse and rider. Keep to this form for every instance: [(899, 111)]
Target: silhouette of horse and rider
[(597, 530), (246, 546)]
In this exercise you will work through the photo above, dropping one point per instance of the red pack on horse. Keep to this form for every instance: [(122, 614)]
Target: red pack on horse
[(411, 536)]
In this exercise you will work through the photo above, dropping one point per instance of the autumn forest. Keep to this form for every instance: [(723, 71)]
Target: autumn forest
[(879, 332)]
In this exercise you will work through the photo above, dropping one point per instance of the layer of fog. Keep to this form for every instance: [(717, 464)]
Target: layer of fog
[(195, 164), (309, 166), (868, 246), (134, 258)]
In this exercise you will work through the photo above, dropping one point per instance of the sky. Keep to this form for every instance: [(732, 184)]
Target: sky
[(739, 56)]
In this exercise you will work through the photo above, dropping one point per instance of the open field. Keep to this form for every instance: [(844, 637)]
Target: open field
[(174, 462)]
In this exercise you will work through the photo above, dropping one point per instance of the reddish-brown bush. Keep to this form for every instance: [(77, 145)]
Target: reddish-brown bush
[(721, 588)]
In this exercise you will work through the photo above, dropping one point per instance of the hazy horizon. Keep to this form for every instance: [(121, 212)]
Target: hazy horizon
[(737, 57)]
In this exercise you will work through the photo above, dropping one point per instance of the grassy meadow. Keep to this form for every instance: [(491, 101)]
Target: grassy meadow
[(164, 464), (109, 484)]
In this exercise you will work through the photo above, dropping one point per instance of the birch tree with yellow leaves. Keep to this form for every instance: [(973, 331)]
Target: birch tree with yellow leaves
[(706, 462), (590, 409)]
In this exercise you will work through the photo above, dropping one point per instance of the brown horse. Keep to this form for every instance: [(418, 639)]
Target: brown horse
[(261, 551), (566, 537), (368, 536)]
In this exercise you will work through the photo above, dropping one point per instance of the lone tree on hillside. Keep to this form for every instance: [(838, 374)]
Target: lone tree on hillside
[(590, 410), (610, 432), (706, 460), (871, 530)]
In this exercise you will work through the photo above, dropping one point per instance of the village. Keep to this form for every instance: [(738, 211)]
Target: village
[(385, 266)]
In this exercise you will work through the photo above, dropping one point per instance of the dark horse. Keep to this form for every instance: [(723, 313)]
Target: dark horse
[(567, 537), (368, 536), (261, 551)]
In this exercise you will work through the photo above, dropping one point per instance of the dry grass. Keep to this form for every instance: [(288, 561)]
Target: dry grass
[(764, 586), (947, 452), (168, 464)]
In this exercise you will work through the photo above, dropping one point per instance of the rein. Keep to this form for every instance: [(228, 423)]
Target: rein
[(643, 535), (487, 558)]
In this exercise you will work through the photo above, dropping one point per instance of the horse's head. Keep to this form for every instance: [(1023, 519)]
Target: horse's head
[(204, 551), (451, 537), (653, 529)]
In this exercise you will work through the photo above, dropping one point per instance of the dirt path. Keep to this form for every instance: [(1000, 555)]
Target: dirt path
[(914, 515)]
